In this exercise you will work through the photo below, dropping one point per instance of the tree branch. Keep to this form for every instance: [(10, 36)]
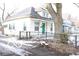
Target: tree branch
[(50, 10), (9, 14), (76, 4), (1, 8), (3, 12)]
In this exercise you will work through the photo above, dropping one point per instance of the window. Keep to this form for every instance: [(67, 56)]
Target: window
[(11, 26), (51, 29), (36, 28), (45, 14), (24, 27), (36, 23), (66, 29)]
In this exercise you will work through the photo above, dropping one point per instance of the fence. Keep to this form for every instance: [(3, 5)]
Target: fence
[(35, 35), (73, 37)]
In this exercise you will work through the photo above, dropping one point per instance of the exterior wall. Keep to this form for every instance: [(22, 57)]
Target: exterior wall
[(30, 26), (47, 26), (18, 26)]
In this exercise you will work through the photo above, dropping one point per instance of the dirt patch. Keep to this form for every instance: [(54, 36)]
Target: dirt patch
[(63, 49)]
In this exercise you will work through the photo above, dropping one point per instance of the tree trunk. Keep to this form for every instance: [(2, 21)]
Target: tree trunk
[(2, 28), (58, 21)]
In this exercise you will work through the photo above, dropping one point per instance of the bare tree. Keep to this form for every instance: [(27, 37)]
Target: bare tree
[(4, 18), (58, 21)]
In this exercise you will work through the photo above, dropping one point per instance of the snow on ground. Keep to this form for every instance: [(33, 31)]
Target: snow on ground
[(16, 42), (72, 38), (14, 50), (15, 46)]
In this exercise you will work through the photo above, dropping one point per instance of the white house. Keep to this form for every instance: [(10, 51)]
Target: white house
[(29, 20)]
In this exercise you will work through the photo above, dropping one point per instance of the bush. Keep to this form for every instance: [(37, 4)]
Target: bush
[(62, 49), (64, 38)]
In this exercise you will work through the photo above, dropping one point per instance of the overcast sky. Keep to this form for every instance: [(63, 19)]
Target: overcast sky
[(68, 8)]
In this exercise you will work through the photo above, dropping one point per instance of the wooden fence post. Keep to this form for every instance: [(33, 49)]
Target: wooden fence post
[(20, 35), (75, 41)]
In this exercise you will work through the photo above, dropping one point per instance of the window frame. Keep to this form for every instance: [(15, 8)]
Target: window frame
[(36, 26)]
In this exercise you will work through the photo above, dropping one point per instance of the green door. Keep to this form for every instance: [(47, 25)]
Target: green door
[(43, 28)]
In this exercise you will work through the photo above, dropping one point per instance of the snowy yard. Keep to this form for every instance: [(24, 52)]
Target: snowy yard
[(12, 45)]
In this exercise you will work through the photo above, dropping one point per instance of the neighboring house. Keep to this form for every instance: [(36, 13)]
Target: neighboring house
[(67, 26), (28, 20), (76, 26), (72, 27)]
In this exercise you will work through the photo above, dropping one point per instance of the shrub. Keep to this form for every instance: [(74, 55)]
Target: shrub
[(64, 38), (61, 48)]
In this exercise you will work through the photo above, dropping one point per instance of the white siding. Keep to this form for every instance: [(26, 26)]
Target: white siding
[(19, 23), (30, 26), (47, 27)]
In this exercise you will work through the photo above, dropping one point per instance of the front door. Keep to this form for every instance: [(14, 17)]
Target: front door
[(43, 28)]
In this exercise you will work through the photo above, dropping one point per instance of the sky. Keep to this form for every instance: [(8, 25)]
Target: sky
[(70, 8), (18, 5)]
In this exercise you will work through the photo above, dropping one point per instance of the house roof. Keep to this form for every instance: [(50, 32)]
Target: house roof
[(28, 12), (67, 23), (76, 23)]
